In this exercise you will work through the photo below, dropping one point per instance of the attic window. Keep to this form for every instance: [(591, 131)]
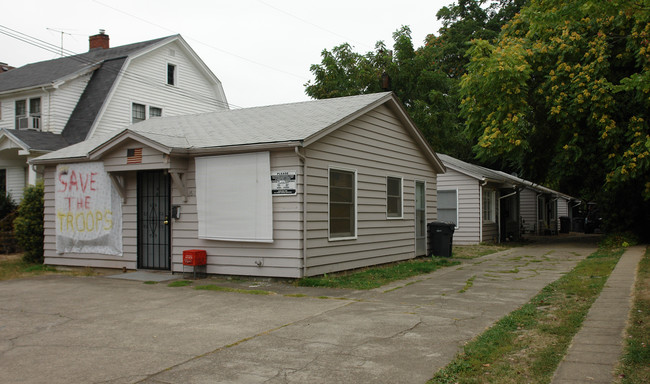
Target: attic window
[(138, 113), (171, 74)]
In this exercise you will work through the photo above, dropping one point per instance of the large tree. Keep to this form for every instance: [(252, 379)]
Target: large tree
[(424, 78), (563, 95)]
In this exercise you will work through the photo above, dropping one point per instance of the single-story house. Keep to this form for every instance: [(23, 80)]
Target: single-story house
[(482, 203), (541, 208), (288, 190)]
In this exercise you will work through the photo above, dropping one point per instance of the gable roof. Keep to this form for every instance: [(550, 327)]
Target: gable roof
[(478, 172), (91, 101), (106, 66), (29, 140), (295, 124), (49, 72)]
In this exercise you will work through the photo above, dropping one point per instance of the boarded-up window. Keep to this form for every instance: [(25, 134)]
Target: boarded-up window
[(448, 206), (342, 204), (233, 197), (393, 197)]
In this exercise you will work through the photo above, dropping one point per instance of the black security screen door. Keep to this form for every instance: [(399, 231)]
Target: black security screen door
[(153, 220)]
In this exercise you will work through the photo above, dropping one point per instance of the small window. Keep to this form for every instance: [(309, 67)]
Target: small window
[(21, 114), (448, 206), (35, 113), (489, 207), (342, 204), (138, 113), (394, 197), (171, 74), (155, 112)]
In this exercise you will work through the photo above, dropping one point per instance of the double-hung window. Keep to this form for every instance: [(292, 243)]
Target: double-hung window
[(342, 204), (171, 74), (394, 197), (448, 206), (26, 119), (489, 205), (139, 112)]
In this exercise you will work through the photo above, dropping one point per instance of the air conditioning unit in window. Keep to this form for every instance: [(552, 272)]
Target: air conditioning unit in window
[(32, 122), (22, 122)]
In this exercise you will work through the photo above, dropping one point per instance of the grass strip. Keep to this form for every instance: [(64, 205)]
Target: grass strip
[(16, 268), (180, 283), (213, 287), (527, 345), (375, 277), (635, 364)]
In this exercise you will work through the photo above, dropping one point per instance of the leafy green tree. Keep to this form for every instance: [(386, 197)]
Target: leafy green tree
[(425, 79), (28, 226), (563, 96)]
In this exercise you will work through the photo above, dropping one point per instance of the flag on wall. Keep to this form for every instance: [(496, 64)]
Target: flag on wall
[(134, 156)]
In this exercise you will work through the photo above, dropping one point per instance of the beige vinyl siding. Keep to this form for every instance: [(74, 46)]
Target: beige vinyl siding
[(115, 160), (469, 205), (528, 209), (129, 232), (145, 82), (281, 258), (376, 146)]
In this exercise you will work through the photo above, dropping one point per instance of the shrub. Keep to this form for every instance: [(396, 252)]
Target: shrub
[(28, 226), (7, 215)]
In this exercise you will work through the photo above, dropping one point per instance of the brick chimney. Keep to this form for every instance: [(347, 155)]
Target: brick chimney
[(99, 41)]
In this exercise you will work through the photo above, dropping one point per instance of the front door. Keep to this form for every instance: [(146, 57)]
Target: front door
[(153, 220), (420, 220)]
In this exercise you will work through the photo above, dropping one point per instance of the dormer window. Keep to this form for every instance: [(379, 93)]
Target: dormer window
[(171, 74)]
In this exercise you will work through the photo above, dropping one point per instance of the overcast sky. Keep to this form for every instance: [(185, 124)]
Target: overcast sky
[(261, 50)]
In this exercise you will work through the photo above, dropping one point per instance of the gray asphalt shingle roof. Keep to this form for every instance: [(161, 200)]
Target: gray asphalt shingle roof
[(44, 141), (476, 171), (106, 64), (47, 72), (257, 125)]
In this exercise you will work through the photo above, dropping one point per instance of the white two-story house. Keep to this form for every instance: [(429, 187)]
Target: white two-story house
[(52, 104)]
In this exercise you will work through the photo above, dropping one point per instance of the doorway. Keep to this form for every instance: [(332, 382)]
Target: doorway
[(154, 205)]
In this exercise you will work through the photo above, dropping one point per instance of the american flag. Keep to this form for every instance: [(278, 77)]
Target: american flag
[(134, 156)]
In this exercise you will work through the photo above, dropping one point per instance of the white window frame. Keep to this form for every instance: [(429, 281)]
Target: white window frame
[(147, 110), (175, 74), (455, 190), (33, 118), (356, 210), (490, 209), (401, 199)]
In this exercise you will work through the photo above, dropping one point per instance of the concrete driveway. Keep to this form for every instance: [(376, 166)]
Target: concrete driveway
[(60, 329)]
